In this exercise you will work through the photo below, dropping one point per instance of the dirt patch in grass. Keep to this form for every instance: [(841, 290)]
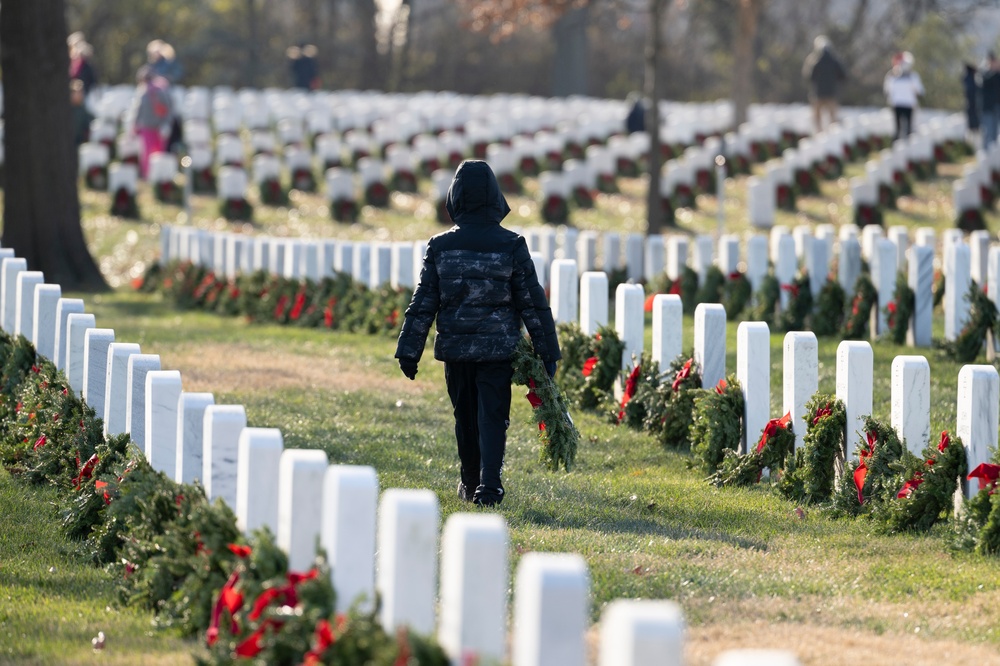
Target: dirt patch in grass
[(832, 646), (240, 368)]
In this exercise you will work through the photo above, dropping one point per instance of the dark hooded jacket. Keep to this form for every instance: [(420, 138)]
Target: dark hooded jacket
[(479, 281)]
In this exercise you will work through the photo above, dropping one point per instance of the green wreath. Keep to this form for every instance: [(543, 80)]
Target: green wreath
[(858, 322), (900, 310), (982, 319), (717, 423)]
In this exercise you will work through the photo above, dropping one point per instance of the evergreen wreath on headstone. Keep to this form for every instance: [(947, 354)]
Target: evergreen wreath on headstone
[(590, 365), (928, 491), (123, 204), (736, 294), (870, 481), (810, 475), (711, 290), (977, 525), (800, 304), (777, 442), (669, 411), (640, 390), (900, 310), (556, 430), (717, 423), (828, 316), (857, 325), (982, 319), (766, 299)]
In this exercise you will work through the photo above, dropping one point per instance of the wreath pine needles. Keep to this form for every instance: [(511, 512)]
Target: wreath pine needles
[(736, 294), (717, 423), (669, 413), (900, 310), (823, 444), (982, 319), (559, 436), (641, 401), (711, 290), (828, 318), (858, 321), (766, 300), (800, 304), (776, 443), (866, 490), (928, 490)]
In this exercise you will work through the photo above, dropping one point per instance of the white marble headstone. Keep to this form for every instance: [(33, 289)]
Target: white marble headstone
[(77, 325), (350, 506), (911, 401), (258, 456), (593, 301), (190, 431), (641, 632), (96, 342), (854, 387), (668, 329), (135, 412), (222, 425), (630, 321), (800, 369), (956, 288), (27, 282), (551, 605), (753, 369), (44, 323), (710, 342), (163, 390), (921, 280), (64, 308), (474, 587), (300, 491), (406, 573), (976, 420), (9, 268), (563, 292), (116, 386)]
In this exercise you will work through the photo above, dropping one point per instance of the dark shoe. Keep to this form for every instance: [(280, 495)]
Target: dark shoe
[(488, 496), (463, 492)]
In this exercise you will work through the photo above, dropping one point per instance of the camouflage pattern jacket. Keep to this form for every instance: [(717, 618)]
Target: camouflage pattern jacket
[(478, 281)]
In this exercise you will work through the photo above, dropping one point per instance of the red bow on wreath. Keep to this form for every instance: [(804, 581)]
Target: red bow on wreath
[(771, 428), (862, 471), (681, 375), (588, 366), (910, 485), (987, 473), (630, 386), (792, 289), (821, 412)]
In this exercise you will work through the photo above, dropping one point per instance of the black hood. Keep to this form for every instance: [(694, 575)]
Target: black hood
[(474, 194)]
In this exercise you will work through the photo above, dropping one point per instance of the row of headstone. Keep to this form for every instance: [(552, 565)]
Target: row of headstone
[(372, 263), (384, 546), (910, 374)]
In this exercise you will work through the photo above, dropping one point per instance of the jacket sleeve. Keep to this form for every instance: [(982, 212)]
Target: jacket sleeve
[(531, 304), (421, 312)]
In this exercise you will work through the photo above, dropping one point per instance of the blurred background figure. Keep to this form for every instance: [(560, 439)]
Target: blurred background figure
[(80, 67), (162, 59), (303, 66), (989, 98), (824, 73), (635, 121), (153, 114), (972, 92), (903, 90), (81, 116)]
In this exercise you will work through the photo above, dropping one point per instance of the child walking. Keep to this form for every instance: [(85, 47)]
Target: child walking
[(478, 281)]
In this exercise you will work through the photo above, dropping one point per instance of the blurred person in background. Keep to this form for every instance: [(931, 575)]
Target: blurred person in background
[(825, 74), (903, 89)]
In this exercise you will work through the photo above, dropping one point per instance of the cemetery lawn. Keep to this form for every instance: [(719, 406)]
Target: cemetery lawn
[(746, 567)]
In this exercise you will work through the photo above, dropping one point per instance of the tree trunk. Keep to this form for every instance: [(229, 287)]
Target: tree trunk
[(743, 60), (570, 66), (371, 78), (253, 59), (41, 216), (654, 47)]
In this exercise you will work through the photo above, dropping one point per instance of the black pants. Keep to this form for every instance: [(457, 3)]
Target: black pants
[(480, 394), (904, 121)]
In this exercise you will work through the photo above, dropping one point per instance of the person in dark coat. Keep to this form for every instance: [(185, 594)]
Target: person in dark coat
[(478, 281), (990, 98), (971, 88), (825, 73), (635, 121)]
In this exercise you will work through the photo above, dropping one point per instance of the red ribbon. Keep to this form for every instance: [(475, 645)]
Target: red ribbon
[(86, 472), (238, 550), (287, 593), (945, 441), (532, 397), (735, 275), (279, 309), (862, 471), (40, 442), (822, 412), (648, 305), (910, 486), (720, 388), (630, 386), (675, 288), (772, 427), (682, 374), (403, 658), (987, 473), (328, 312), (252, 646), (212, 635), (324, 638), (297, 307), (792, 289), (103, 484), (588, 366)]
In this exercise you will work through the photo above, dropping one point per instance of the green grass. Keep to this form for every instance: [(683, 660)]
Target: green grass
[(646, 523)]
